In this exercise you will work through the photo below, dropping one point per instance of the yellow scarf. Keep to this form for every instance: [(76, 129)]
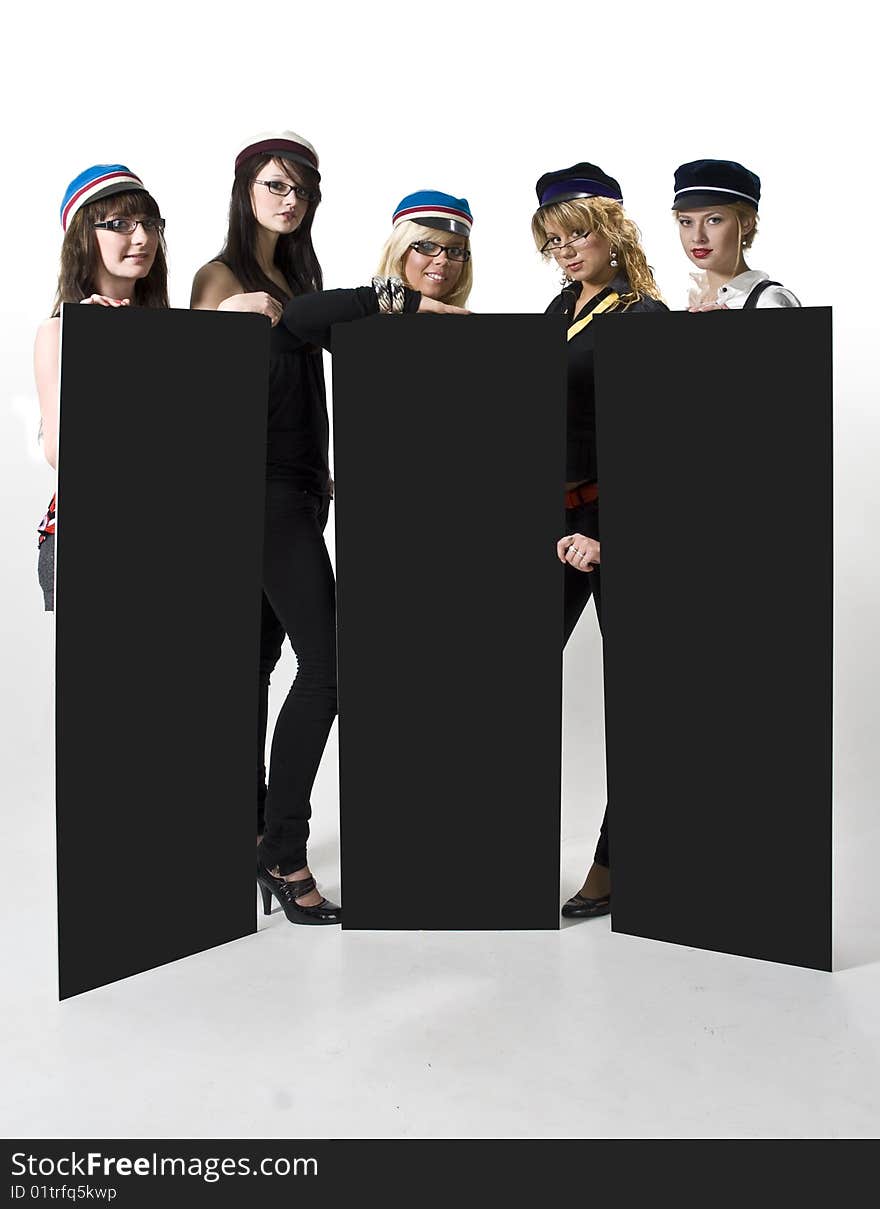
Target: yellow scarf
[(605, 305)]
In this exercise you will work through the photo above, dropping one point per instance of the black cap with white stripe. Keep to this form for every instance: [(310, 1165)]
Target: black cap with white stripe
[(714, 183)]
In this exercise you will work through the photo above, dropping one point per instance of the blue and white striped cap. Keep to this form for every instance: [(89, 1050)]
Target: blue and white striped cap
[(101, 180), (430, 208)]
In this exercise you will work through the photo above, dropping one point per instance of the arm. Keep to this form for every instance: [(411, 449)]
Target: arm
[(310, 317), (46, 347), (216, 288)]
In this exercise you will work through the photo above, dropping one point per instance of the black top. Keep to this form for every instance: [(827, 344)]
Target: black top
[(298, 425), (580, 459), (298, 439)]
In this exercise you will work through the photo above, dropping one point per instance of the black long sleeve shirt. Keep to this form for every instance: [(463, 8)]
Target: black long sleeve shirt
[(580, 461), (299, 431), (310, 318)]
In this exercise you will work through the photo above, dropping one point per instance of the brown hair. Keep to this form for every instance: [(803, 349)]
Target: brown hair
[(81, 257), (608, 219)]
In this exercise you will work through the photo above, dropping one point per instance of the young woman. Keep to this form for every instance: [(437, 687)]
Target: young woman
[(268, 264), (716, 208), (268, 258), (113, 254), (427, 249), (581, 225), (424, 267)]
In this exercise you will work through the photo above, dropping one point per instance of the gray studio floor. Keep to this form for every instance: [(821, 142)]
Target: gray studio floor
[(319, 1033)]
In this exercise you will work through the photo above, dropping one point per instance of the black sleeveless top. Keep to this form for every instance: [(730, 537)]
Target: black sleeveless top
[(297, 447)]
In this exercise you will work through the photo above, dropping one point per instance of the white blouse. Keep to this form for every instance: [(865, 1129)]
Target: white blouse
[(734, 294)]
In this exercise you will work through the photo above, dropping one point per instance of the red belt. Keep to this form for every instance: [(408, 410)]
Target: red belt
[(585, 494)]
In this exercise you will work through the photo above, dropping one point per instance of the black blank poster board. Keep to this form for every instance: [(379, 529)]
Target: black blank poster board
[(449, 457), (715, 452), (162, 455)]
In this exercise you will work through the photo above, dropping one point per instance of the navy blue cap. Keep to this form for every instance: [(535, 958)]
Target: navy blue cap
[(714, 183), (580, 180)]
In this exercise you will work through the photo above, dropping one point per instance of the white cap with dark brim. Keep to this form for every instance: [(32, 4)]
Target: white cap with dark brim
[(284, 144)]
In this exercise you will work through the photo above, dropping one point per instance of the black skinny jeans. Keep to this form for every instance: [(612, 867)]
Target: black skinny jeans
[(271, 645), (299, 599), (579, 587)]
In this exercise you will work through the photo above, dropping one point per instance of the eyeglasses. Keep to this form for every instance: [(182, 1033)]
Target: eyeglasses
[(551, 249), (427, 247), (282, 189), (128, 226)]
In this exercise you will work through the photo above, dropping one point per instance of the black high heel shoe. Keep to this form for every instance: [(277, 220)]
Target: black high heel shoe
[(288, 892), (580, 907)]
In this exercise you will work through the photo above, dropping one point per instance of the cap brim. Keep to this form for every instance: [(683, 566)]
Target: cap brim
[(698, 201), (578, 195), (117, 187), (297, 159), (452, 225), (276, 153)]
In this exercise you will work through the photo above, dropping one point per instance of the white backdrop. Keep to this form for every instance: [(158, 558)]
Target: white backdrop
[(479, 104)]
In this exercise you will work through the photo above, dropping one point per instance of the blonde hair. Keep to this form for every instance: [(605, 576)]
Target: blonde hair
[(604, 217), (396, 250), (742, 212)]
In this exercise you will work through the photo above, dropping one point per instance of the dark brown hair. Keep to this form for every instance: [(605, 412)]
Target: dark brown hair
[(294, 254), (81, 257)]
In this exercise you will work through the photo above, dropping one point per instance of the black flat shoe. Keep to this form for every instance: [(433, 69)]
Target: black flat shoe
[(579, 907), (288, 892)]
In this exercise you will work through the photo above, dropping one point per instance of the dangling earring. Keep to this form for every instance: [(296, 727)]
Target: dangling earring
[(613, 261)]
